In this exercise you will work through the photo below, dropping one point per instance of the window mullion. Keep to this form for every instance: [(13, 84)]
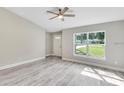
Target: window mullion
[(87, 44)]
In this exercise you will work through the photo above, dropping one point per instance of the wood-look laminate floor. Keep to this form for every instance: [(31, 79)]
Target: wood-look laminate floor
[(54, 72)]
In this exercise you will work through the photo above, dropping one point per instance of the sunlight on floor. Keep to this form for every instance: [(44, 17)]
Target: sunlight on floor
[(102, 75), (90, 73)]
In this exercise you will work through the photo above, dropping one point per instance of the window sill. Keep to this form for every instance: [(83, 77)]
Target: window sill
[(89, 57)]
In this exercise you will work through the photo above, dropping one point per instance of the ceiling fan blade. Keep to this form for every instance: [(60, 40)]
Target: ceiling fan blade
[(53, 17), (69, 15), (52, 12), (64, 10)]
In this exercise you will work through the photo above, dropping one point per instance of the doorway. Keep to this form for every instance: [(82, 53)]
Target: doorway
[(57, 45)]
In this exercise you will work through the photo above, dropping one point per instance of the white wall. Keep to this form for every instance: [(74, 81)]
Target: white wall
[(114, 44), (20, 40)]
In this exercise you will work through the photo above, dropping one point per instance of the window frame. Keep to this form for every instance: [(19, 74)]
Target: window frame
[(87, 56)]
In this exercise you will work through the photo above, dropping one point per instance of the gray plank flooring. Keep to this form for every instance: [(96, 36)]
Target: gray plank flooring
[(55, 72)]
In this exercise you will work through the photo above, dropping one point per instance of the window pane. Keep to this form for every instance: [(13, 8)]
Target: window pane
[(90, 44), (96, 47), (96, 50), (100, 36), (81, 49), (81, 44), (80, 38)]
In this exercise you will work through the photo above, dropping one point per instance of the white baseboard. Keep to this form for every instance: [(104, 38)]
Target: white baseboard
[(21, 63), (51, 55), (94, 64)]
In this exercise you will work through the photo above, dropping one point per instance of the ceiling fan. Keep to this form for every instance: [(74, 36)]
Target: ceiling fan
[(61, 14)]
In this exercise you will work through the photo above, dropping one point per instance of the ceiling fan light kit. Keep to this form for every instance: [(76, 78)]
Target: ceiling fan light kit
[(61, 14)]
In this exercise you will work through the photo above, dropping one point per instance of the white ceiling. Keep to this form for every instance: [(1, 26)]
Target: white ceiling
[(84, 16)]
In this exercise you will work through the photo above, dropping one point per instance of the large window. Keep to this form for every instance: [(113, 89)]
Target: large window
[(90, 44)]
